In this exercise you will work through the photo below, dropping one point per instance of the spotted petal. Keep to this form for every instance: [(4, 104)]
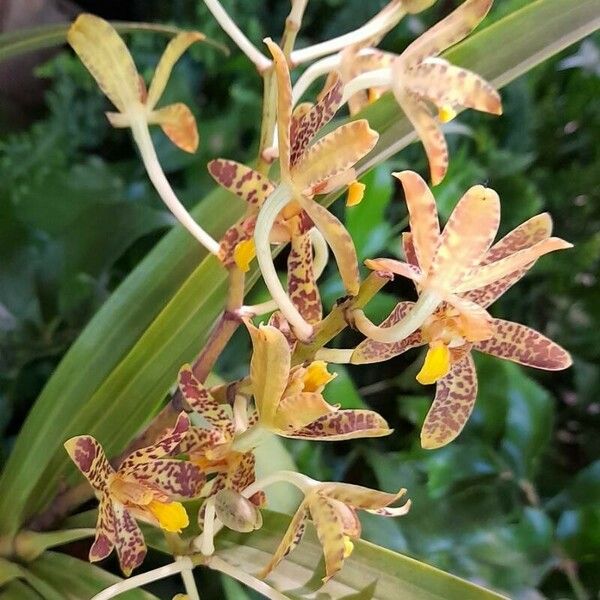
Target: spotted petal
[(330, 530), (107, 58), (200, 440), (449, 31), (445, 84), (302, 287), (179, 125), (423, 217), (427, 128), (365, 498), (340, 242), (370, 351), (248, 184), (243, 230), (105, 530), (179, 479), (175, 48), (453, 403), (284, 106), (467, 237), (269, 369), (343, 425), (290, 540), (200, 400), (527, 234), (298, 410), (333, 154), (165, 445), (515, 262), (305, 126), (89, 458), (408, 248), (129, 540), (525, 346)]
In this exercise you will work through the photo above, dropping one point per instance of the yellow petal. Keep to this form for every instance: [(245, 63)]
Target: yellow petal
[(269, 369), (436, 366), (317, 376), (176, 47), (449, 31), (426, 126), (107, 58), (356, 192), (284, 106), (467, 237), (171, 516), (348, 546), (179, 125), (446, 113), (333, 154), (423, 218), (298, 411), (244, 254)]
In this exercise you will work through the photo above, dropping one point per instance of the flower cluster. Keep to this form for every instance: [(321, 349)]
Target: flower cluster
[(458, 272)]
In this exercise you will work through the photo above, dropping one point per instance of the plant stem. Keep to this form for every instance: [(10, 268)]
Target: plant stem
[(218, 564), (183, 563), (234, 32), (335, 322), (141, 135)]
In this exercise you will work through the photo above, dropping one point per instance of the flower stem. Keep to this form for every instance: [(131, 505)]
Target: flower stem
[(141, 135), (380, 24), (335, 322), (182, 563), (218, 564), (423, 308), (266, 218), (187, 575), (235, 33)]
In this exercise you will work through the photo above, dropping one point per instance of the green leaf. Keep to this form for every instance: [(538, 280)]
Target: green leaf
[(392, 575), (120, 369), (47, 36), (81, 579), (9, 571)]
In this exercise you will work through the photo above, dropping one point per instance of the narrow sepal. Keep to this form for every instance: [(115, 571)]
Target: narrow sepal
[(178, 124), (344, 425), (89, 458), (453, 403), (523, 345), (175, 48), (243, 181)]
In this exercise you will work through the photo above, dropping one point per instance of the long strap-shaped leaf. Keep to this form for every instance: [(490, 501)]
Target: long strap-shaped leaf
[(47, 36), (123, 364), (378, 573)]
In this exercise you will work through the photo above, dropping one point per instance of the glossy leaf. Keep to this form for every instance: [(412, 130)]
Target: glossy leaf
[(393, 575)]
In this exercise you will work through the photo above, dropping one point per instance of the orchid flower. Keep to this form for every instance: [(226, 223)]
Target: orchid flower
[(453, 262), (325, 166), (210, 447), (237, 246), (418, 78), (289, 400), (461, 323), (107, 58), (147, 486), (332, 509)]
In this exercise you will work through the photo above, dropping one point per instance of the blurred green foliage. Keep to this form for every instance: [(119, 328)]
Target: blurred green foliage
[(514, 503)]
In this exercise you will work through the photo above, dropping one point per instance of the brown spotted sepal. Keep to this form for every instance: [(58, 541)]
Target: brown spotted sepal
[(332, 509), (148, 485)]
